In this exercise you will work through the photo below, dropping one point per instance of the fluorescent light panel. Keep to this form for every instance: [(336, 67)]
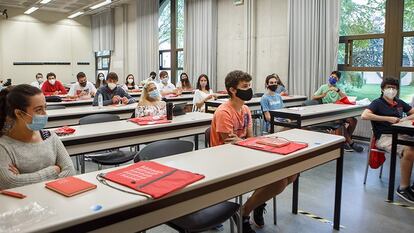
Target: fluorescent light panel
[(101, 4), (74, 15), (31, 10), (45, 1)]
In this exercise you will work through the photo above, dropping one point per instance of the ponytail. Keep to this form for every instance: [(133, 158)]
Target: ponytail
[(15, 97)]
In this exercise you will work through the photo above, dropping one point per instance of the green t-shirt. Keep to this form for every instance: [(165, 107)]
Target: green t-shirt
[(331, 96)]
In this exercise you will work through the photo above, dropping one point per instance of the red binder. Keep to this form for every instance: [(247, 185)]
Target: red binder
[(344, 100), (150, 120), (70, 186), (152, 178), (255, 143), (65, 130)]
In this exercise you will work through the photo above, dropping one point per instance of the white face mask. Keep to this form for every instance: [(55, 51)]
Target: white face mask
[(101, 78), (111, 86), (130, 80), (52, 81), (165, 81), (390, 93), (40, 80)]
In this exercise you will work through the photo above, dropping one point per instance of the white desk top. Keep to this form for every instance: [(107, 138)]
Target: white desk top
[(124, 126), (70, 103), (405, 124), (256, 100), (84, 110), (317, 109), (233, 161)]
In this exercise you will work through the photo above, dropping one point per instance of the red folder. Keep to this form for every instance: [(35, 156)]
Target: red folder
[(65, 130), (70, 186), (283, 150), (150, 120), (152, 178), (344, 100)]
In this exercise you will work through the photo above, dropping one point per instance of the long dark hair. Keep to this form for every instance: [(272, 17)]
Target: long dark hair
[(187, 83), (15, 97), (278, 80), (198, 82), (98, 82)]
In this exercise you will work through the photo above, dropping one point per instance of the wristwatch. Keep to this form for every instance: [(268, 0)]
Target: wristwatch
[(338, 90)]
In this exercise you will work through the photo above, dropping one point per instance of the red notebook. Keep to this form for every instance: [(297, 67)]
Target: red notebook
[(70, 186), (152, 178), (150, 120), (65, 130), (257, 144), (344, 100)]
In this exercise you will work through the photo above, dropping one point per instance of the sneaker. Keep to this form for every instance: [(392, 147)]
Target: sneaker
[(258, 219), (406, 194), (246, 225), (348, 148), (357, 148), (412, 188)]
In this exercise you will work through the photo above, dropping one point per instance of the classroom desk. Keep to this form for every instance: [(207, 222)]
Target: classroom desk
[(188, 98), (72, 103), (136, 94), (405, 127), (254, 103), (116, 134), (71, 116), (229, 171), (314, 114)]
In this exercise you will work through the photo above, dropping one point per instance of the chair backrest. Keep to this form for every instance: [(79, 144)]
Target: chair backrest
[(259, 94), (311, 102), (52, 107), (163, 148), (98, 118)]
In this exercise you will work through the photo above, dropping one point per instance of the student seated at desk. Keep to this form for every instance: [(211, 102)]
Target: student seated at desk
[(271, 100), (83, 88), (112, 93), (202, 94), (152, 77), (39, 81), (100, 80), (28, 154), (150, 103), (387, 110), (232, 121), (53, 86), (130, 83), (184, 83), (165, 86), (280, 88), (330, 93)]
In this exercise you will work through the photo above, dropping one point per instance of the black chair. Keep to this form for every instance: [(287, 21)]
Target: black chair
[(53, 107), (259, 94), (201, 220), (113, 158), (207, 137)]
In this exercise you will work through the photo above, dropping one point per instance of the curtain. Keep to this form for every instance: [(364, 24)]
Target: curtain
[(103, 32), (313, 43), (147, 38), (200, 43)]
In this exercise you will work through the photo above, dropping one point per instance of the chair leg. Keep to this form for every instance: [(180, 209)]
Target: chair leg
[(99, 166), (82, 163), (366, 168), (274, 211), (77, 162)]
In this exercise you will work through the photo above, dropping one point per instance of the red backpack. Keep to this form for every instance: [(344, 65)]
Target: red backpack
[(376, 156)]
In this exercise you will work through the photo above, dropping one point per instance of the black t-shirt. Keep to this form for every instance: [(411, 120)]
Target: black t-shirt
[(382, 108)]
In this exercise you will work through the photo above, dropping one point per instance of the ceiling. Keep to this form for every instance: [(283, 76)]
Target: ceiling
[(64, 6)]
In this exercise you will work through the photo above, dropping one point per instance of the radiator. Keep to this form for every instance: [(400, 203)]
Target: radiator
[(363, 129)]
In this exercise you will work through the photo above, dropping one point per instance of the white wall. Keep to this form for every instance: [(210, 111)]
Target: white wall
[(44, 36), (270, 40)]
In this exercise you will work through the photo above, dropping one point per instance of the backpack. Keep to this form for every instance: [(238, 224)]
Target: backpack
[(376, 156)]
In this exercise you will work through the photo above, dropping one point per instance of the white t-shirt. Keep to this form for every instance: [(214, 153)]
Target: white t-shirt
[(76, 89), (198, 97), (36, 84), (168, 87)]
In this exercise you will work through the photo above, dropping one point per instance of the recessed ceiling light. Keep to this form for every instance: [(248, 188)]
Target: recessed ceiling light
[(101, 4), (45, 1), (31, 10), (74, 15)]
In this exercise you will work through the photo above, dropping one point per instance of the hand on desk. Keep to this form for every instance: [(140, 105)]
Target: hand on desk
[(125, 100), (232, 138), (394, 120), (116, 99)]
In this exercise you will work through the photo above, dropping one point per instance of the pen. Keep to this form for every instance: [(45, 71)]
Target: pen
[(13, 194)]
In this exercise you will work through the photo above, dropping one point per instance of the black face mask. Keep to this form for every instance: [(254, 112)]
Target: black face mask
[(82, 84), (272, 87), (245, 95)]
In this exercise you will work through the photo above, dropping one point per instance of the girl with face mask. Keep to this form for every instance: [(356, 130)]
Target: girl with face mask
[(130, 84), (100, 80), (271, 100), (202, 94), (150, 103), (29, 154)]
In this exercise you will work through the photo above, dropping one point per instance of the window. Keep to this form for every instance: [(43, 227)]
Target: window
[(373, 45), (103, 62), (171, 37)]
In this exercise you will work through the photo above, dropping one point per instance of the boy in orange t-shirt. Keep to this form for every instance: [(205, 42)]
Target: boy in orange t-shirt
[(232, 122)]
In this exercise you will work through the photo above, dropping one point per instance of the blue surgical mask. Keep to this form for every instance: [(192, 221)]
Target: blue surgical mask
[(38, 122), (332, 81), (154, 94)]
